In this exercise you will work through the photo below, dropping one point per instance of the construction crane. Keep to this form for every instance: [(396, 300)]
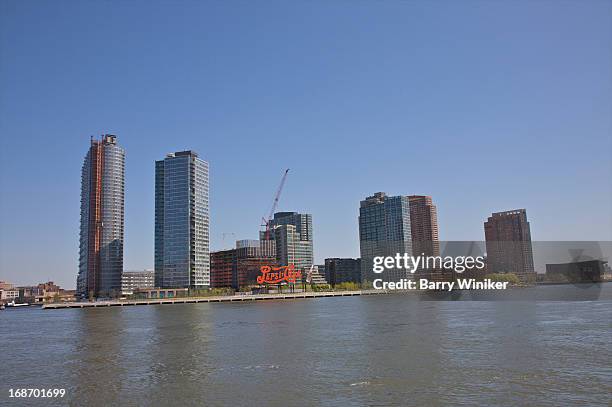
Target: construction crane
[(266, 222)]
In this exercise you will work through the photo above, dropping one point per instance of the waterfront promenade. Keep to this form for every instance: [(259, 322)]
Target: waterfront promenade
[(193, 300)]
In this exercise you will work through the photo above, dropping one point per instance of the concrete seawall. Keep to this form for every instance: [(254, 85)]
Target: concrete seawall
[(195, 300)]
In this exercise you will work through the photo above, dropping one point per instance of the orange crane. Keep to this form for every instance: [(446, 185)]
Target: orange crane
[(266, 222)]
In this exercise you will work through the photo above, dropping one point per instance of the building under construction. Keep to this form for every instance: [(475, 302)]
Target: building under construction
[(102, 219), (292, 236)]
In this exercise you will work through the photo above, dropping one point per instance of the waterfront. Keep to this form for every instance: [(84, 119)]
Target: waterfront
[(196, 300), (362, 350)]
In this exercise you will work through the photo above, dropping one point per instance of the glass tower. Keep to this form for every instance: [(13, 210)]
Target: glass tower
[(384, 230), (292, 233), (102, 219), (182, 254)]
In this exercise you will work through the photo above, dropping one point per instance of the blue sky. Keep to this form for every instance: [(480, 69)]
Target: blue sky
[(486, 106)]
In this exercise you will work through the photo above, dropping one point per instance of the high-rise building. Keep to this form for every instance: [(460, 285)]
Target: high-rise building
[(292, 233), (508, 242), (102, 219), (301, 221), (424, 226), (182, 254), (384, 230), (342, 271)]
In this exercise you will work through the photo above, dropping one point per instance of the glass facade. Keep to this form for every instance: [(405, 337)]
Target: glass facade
[(182, 257), (342, 271), (292, 233), (384, 230), (102, 219)]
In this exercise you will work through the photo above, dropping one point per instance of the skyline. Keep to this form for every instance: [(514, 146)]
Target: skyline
[(365, 107)]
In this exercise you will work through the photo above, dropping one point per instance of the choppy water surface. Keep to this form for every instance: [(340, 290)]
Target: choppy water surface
[(375, 350)]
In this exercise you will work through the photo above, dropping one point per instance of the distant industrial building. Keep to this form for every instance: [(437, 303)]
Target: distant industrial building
[(384, 230), (508, 242), (247, 269), (591, 271), (44, 292), (102, 219), (240, 267), (182, 257), (47, 288), (222, 265), (339, 270), (132, 281)]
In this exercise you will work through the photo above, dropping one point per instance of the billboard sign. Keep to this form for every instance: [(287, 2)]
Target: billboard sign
[(276, 275)]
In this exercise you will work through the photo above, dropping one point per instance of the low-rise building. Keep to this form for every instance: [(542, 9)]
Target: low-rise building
[(607, 274), (345, 270), (239, 268), (222, 268), (590, 271), (137, 280), (9, 295), (163, 292), (43, 292), (315, 276), (4, 285)]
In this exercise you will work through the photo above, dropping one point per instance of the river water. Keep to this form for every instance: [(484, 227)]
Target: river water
[(370, 350)]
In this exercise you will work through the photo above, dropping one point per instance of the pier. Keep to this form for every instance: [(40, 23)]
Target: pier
[(195, 300)]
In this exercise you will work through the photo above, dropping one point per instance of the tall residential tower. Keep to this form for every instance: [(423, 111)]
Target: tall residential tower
[(182, 257), (102, 216), (424, 226), (508, 241), (384, 230)]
